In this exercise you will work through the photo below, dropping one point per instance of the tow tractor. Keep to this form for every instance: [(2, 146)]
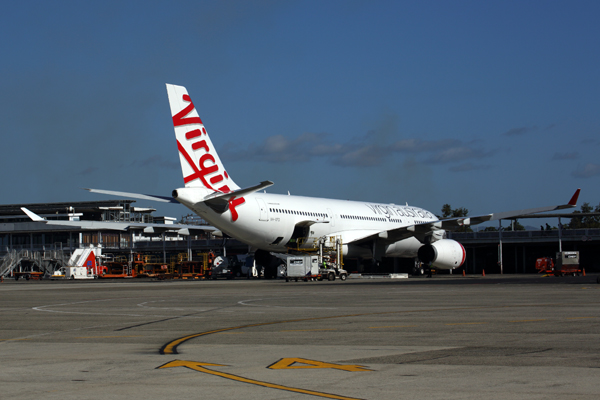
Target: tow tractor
[(331, 270)]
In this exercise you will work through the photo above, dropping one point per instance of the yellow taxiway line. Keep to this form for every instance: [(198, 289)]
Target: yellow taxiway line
[(201, 367)]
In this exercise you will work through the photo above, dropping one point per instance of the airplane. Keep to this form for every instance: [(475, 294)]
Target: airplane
[(270, 223), (180, 229)]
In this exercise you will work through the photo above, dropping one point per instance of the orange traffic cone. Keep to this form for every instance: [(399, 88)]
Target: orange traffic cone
[(483, 273), (583, 270), (463, 272)]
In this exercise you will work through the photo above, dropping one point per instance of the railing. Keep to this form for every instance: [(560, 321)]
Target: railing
[(8, 263)]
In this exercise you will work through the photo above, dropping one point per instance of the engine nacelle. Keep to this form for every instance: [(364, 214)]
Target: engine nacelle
[(443, 254)]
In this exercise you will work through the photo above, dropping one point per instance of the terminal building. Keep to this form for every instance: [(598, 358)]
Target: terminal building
[(514, 252), (115, 228)]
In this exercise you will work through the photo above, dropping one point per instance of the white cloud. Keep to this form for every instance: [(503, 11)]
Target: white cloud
[(363, 151), (589, 170)]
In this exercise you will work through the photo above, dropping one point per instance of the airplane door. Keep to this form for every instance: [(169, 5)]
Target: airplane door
[(331, 217), (264, 211)]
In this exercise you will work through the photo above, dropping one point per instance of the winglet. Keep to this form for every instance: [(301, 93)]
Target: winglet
[(32, 215), (573, 201)]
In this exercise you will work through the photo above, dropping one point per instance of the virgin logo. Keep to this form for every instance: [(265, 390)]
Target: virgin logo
[(207, 165)]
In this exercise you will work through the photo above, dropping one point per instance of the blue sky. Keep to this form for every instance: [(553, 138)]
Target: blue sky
[(491, 106)]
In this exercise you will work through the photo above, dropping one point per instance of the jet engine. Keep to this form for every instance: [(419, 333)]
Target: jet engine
[(443, 254)]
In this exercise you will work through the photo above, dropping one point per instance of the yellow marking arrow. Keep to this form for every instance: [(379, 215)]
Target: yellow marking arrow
[(288, 363), (200, 367)]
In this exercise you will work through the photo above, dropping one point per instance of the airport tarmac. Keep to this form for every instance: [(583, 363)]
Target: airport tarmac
[(494, 337)]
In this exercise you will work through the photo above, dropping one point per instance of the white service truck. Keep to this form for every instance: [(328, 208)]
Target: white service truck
[(73, 273)]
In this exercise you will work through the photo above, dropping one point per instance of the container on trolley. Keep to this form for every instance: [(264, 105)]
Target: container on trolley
[(303, 267), (567, 263)]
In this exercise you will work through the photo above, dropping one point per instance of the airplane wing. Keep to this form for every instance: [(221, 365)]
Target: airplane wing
[(450, 224)]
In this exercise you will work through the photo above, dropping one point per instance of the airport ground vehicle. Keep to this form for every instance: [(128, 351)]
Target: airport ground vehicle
[(221, 269), (118, 269), (306, 267), (27, 275), (191, 270), (331, 273), (567, 263), (74, 273)]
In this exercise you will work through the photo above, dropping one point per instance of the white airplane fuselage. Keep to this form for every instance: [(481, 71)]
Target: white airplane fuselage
[(275, 222)]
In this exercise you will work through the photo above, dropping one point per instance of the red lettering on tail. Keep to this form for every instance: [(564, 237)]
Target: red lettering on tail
[(198, 173), (202, 170), (179, 118), (200, 145), (193, 134)]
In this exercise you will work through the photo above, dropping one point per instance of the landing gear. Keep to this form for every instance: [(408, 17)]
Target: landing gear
[(269, 263)]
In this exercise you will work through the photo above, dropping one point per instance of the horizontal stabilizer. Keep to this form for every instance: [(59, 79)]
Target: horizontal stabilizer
[(219, 202), (151, 197), (239, 192)]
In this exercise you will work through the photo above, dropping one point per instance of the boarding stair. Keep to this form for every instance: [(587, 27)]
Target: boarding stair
[(9, 261)]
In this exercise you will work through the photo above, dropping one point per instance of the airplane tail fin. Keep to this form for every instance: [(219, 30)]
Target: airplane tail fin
[(200, 163)]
